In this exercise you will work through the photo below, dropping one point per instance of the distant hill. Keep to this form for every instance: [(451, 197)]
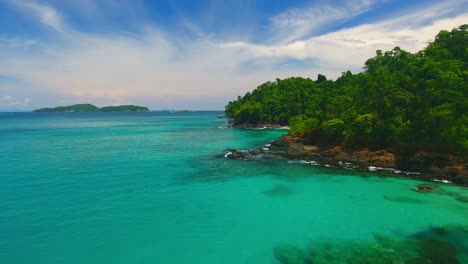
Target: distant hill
[(93, 108)]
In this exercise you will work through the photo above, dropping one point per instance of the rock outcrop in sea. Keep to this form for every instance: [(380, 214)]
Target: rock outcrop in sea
[(424, 165)]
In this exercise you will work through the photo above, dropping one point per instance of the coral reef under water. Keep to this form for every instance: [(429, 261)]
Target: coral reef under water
[(441, 245)]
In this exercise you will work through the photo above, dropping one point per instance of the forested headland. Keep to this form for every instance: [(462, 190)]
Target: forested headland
[(401, 99)]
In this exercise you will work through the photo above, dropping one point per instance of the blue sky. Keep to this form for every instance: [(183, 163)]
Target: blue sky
[(195, 54)]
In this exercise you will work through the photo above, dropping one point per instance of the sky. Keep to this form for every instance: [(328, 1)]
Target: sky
[(196, 55)]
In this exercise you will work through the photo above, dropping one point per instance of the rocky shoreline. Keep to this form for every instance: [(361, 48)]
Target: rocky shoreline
[(420, 164), (261, 126)]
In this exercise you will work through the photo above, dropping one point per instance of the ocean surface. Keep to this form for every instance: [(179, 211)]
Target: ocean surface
[(156, 188)]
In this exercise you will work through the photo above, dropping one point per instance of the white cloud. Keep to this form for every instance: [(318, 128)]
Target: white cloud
[(166, 70), (16, 42), (350, 47), (10, 102), (296, 23), (46, 14)]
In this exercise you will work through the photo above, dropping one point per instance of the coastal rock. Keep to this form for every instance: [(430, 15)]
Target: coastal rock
[(255, 151), (237, 154), (242, 154), (255, 154), (419, 164), (425, 188)]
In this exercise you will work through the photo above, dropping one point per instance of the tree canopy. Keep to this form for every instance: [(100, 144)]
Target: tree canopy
[(401, 98)]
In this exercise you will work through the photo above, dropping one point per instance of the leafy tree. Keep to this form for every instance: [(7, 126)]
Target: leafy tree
[(302, 124), (334, 128)]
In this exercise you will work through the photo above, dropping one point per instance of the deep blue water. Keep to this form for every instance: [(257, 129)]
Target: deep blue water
[(155, 188)]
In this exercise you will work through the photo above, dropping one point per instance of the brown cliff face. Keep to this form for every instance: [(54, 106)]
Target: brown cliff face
[(428, 165)]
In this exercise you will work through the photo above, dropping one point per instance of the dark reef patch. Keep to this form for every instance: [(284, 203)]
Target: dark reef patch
[(403, 199), (463, 199), (279, 190), (444, 245)]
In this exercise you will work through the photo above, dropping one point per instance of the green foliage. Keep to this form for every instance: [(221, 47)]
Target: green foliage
[(248, 113), (401, 98), (93, 108), (334, 128), (302, 124), (321, 78), (362, 129)]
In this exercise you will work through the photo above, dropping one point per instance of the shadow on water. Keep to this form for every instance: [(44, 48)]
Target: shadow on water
[(403, 199), (215, 168), (444, 245), (205, 169), (279, 190)]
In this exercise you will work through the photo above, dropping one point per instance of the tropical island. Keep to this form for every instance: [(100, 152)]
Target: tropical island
[(405, 111), (93, 108)]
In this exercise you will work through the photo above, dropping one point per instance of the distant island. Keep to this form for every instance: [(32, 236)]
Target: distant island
[(93, 108)]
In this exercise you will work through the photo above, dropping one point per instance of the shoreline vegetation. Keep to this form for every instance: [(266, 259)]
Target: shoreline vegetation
[(92, 108), (405, 112)]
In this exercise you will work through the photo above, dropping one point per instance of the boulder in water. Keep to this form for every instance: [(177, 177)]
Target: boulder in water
[(425, 188), (255, 151), (237, 154)]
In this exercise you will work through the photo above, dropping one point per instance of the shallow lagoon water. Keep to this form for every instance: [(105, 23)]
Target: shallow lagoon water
[(155, 188)]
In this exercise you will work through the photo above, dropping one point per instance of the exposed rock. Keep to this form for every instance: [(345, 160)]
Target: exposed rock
[(255, 151), (241, 154), (425, 188), (237, 154), (421, 164)]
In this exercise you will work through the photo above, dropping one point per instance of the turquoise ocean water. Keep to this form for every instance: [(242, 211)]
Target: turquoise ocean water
[(155, 188)]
